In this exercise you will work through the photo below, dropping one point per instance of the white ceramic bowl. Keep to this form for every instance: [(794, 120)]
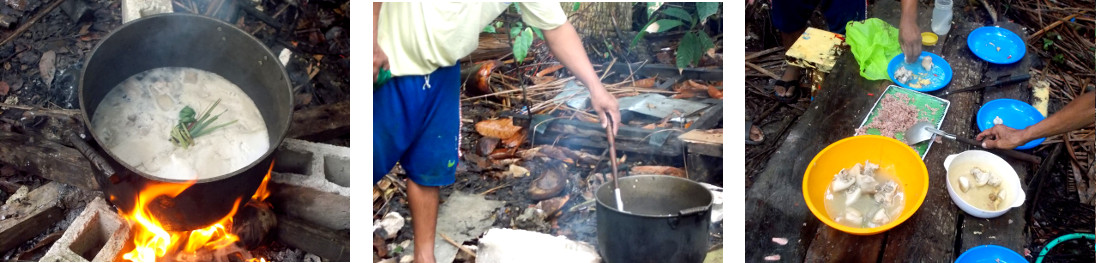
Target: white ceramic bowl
[(997, 166)]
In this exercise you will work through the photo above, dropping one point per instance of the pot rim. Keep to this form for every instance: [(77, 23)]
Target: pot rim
[(229, 27), (607, 186)]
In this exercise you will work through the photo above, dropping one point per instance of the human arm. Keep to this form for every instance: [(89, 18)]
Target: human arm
[(567, 47), (380, 60), (909, 34), (1077, 114)]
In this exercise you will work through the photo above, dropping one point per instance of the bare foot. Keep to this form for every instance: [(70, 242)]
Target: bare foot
[(424, 256)]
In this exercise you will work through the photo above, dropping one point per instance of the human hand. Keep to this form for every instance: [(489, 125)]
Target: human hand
[(909, 37), (604, 103), (380, 60), (1001, 137)]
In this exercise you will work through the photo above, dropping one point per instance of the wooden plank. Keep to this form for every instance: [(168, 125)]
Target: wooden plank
[(321, 123), (702, 168), (47, 159), (705, 149), (709, 118), (774, 203), (703, 137), (929, 235), (832, 245), (1006, 230), (25, 219)]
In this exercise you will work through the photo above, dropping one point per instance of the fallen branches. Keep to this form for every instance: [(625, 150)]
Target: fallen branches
[(26, 25)]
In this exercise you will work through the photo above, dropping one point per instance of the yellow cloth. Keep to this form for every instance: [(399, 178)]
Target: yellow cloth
[(421, 37)]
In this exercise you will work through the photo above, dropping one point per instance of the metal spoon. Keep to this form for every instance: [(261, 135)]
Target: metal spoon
[(923, 131)]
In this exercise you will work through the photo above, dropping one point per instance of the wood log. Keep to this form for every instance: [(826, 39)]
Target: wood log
[(25, 219), (774, 202), (491, 46), (1006, 230), (328, 244), (47, 159), (315, 207), (834, 115), (321, 123), (931, 232)]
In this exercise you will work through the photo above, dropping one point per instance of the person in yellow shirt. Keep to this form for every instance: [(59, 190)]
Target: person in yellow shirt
[(416, 114)]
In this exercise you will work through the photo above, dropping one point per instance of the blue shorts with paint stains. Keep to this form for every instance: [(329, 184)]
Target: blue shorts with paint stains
[(416, 121)]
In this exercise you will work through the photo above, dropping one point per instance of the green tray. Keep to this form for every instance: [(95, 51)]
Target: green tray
[(924, 102)]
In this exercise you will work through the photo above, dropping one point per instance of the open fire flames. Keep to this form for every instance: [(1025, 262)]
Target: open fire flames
[(152, 242)]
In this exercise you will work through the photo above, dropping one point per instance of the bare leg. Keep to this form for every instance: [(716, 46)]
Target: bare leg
[(424, 219), (791, 73)]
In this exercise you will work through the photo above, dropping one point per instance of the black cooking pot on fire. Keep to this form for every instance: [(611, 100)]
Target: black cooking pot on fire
[(184, 40), (665, 219)]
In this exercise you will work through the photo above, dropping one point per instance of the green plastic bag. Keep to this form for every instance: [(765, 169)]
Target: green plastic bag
[(874, 43)]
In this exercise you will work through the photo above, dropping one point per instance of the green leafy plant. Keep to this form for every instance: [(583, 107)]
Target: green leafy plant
[(523, 37), (491, 27), (695, 42), (188, 128)]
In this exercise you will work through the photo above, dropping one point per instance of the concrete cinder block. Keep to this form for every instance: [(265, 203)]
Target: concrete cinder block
[(97, 235), (318, 166), (134, 9)]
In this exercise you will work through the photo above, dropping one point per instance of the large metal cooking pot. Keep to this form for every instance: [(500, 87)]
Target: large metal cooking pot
[(665, 219), (184, 40)]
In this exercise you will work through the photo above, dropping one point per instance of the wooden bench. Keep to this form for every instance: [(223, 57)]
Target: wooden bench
[(938, 231)]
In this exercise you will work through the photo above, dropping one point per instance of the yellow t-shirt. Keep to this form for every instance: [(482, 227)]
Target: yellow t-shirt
[(421, 37)]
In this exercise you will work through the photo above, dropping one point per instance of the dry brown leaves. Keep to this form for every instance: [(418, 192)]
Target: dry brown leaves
[(514, 141), (690, 89), (482, 79), (659, 170), (549, 70), (497, 128), (645, 83), (553, 206), (559, 153)]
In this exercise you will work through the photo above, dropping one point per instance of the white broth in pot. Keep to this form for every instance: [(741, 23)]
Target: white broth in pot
[(138, 118)]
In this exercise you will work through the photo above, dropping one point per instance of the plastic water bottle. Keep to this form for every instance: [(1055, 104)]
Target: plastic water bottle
[(941, 17)]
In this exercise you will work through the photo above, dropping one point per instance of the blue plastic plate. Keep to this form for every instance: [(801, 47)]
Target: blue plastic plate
[(1014, 114), (985, 41), (990, 254), (939, 77)]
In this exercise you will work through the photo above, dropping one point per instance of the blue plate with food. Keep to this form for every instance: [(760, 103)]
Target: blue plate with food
[(1012, 113), (930, 72), (996, 45), (990, 254)]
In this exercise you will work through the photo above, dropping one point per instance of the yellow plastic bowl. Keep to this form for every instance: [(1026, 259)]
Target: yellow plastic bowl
[(929, 39), (891, 155)]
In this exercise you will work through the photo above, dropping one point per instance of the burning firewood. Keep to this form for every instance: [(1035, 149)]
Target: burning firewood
[(253, 223)]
